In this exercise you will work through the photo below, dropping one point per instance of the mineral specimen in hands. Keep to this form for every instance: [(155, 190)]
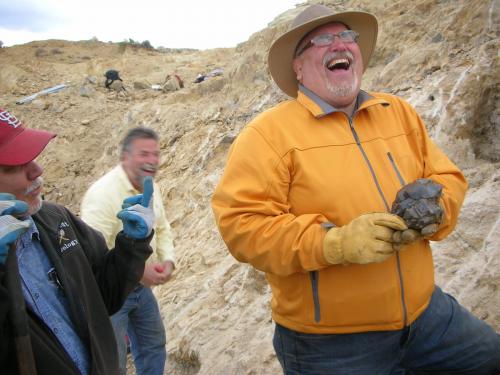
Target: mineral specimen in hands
[(418, 204)]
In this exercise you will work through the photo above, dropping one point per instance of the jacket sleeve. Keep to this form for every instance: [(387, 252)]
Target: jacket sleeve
[(116, 271), (254, 216), (163, 232), (6, 339), (439, 168)]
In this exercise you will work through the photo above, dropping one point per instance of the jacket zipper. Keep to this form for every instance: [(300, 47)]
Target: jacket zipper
[(374, 176), (402, 182), (314, 282), (358, 142), (393, 163)]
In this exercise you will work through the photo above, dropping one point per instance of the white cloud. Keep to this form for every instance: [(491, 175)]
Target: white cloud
[(189, 24)]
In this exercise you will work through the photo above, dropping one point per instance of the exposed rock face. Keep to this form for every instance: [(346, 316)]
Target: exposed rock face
[(440, 55)]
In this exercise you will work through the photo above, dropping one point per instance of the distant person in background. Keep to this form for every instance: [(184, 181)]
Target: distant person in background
[(172, 83), (70, 281), (140, 316), (306, 198), (180, 81), (111, 76)]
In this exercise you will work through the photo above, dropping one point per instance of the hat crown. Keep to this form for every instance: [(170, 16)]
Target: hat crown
[(19, 145), (282, 51), (10, 126), (7, 118), (311, 13)]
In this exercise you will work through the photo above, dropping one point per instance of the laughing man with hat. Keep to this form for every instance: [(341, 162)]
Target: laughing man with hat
[(305, 197), (58, 281)]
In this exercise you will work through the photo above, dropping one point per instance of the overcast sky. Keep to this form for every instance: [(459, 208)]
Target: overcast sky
[(168, 23)]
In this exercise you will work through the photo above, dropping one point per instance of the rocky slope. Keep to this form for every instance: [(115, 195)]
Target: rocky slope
[(441, 55)]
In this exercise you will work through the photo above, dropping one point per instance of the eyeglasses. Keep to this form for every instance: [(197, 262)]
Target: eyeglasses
[(323, 40)]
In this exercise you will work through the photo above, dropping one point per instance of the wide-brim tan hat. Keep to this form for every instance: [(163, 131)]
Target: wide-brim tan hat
[(281, 53)]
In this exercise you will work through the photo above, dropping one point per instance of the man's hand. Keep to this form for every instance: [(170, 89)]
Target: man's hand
[(11, 228), (157, 273), (366, 239), (138, 214), (10, 206), (405, 237), (418, 204)]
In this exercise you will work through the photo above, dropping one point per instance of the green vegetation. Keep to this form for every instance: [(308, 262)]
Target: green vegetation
[(135, 44)]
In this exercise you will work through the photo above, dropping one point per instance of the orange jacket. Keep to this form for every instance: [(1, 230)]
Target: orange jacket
[(302, 163)]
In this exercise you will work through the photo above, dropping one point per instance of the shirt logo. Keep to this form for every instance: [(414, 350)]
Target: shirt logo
[(61, 236), (9, 119), (65, 243)]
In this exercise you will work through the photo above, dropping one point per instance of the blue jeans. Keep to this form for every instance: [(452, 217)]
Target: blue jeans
[(445, 339), (140, 319)]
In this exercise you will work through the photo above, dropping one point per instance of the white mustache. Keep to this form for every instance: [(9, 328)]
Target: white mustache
[(35, 185), (151, 167), (337, 55)]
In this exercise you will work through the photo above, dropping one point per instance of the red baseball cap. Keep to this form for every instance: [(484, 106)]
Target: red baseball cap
[(19, 145)]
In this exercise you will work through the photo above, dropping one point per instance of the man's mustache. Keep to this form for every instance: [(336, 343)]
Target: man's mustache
[(35, 185), (338, 55), (149, 167)]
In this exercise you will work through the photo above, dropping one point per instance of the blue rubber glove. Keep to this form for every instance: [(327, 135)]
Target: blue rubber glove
[(10, 227), (138, 215), (10, 206)]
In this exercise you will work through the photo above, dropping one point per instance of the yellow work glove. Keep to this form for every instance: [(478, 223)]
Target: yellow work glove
[(366, 239)]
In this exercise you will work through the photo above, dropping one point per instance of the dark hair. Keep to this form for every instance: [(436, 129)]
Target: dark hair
[(137, 133)]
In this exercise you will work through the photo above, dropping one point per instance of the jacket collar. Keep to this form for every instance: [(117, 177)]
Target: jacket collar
[(32, 231), (319, 108), (124, 180)]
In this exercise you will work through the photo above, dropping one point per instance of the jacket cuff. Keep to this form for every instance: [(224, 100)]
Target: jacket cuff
[(125, 243)]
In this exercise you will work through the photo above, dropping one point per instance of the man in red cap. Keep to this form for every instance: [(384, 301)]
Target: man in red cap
[(306, 197), (68, 281)]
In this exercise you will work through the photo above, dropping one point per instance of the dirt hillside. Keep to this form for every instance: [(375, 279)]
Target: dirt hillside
[(441, 55)]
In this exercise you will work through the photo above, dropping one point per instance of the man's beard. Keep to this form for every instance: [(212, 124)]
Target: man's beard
[(344, 89), (36, 204)]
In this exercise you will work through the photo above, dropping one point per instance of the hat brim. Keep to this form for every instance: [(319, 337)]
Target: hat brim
[(281, 53), (24, 147)]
